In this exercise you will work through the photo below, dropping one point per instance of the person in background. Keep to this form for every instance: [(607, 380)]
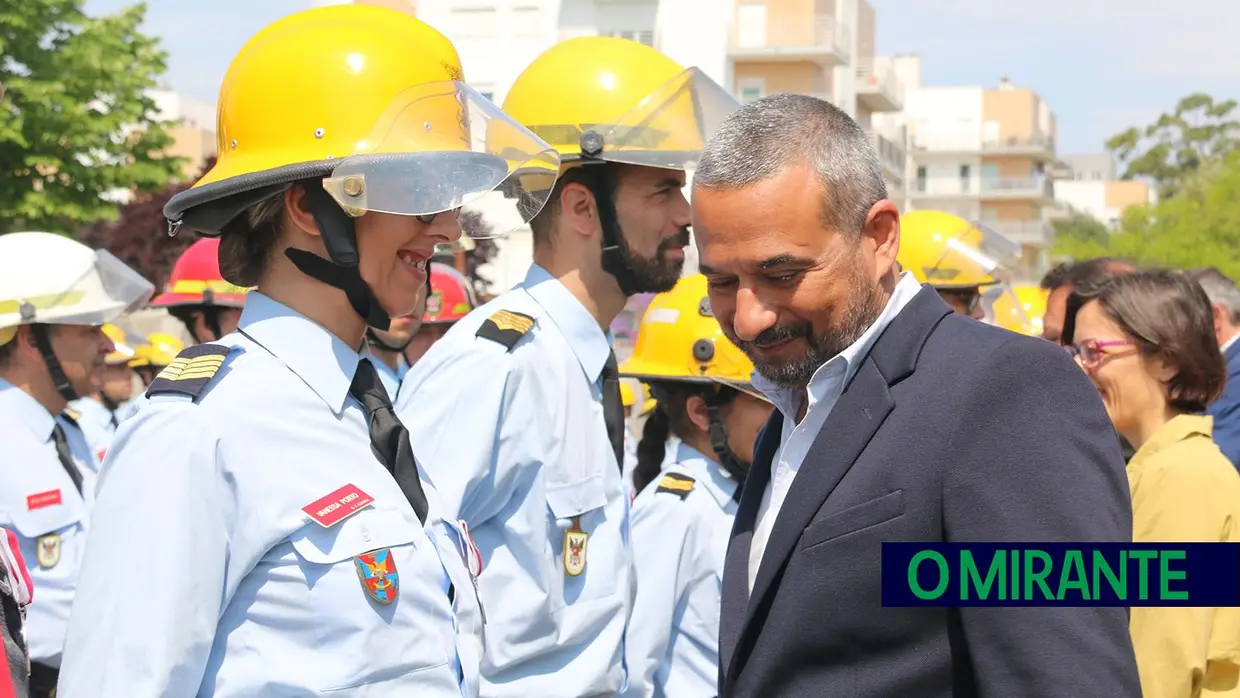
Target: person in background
[(99, 414), (198, 295), (451, 299), (517, 410), (897, 419), (1147, 341), (55, 294), (683, 513), (1059, 283), (154, 355), (1225, 305), (387, 347), (16, 591), (944, 251)]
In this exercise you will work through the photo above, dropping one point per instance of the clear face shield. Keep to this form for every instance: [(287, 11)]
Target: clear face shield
[(101, 292), (443, 147), (973, 256), (668, 128)]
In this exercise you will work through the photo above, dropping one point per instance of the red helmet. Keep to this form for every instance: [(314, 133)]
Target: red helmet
[(451, 297), (196, 280)]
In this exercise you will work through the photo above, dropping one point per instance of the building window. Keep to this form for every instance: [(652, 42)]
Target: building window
[(750, 94), (1097, 176), (921, 178), (964, 178), (641, 36)]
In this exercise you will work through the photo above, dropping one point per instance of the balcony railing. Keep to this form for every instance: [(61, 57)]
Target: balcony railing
[(1037, 142), (1001, 187), (818, 36), (876, 77), (1018, 186), (1023, 232), (890, 153)]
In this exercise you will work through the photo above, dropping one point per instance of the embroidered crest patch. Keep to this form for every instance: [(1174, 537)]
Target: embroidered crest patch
[(377, 571), (47, 550), (575, 541)]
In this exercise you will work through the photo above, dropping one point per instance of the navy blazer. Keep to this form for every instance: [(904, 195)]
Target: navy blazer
[(951, 430), (1226, 409)]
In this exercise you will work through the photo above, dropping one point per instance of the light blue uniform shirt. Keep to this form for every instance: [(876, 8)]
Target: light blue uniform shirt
[(680, 544), (39, 503), (390, 379), (204, 576), (516, 444), (98, 423)]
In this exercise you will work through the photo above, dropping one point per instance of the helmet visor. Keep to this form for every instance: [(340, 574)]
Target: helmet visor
[(999, 247), (443, 147), (954, 259), (667, 129), (105, 290), (1003, 308)]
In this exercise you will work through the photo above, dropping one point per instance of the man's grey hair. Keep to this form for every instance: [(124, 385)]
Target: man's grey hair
[(1220, 289), (763, 138)]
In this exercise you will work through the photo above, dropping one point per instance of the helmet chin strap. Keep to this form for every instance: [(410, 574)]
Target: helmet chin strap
[(731, 463), (614, 260), (54, 370), (340, 239)]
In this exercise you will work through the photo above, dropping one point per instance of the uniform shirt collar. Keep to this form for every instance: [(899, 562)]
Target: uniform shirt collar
[(21, 406), (707, 472), (828, 376), (587, 340), (318, 357)]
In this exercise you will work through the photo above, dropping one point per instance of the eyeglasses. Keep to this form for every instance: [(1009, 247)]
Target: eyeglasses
[(1090, 350)]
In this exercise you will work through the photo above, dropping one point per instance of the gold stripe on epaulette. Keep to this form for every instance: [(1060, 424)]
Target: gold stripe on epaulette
[(506, 320)]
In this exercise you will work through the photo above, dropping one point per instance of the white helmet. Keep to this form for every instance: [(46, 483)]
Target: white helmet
[(51, 279)]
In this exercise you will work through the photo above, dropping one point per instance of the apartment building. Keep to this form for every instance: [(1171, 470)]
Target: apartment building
[(193, 134), (824, 48), (985, 154), (1090, 184)]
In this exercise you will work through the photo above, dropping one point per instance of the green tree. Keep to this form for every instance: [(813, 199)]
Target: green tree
[(1175, 146), (1080, 236), (76, 122), (1198, 227)]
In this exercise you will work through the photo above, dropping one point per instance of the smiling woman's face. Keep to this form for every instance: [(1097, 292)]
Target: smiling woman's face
[(1128, 381), (394, 253)]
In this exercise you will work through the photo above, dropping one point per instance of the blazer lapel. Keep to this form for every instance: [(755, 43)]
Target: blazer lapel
[(736, 562), (860, 411)]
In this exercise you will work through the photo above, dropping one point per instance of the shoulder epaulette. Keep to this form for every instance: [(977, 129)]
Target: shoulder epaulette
[(71, 415), (676, 483), (190, 372), (506, 327)]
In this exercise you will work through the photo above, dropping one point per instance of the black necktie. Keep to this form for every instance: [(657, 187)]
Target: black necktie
[(66, 458), (613, 408), (388, 437)]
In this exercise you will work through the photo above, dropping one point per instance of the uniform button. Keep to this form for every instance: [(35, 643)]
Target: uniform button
[(366, 534)]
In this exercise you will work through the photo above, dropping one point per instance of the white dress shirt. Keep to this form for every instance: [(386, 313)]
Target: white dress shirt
[(823, 392)]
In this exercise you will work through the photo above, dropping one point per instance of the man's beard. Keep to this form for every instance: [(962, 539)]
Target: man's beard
[(862, 308), (655, 274)]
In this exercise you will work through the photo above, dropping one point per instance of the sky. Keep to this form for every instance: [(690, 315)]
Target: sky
[(1101, 65)]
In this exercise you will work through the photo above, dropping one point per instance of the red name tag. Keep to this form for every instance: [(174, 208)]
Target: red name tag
[(337, 506), (43, 499)]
